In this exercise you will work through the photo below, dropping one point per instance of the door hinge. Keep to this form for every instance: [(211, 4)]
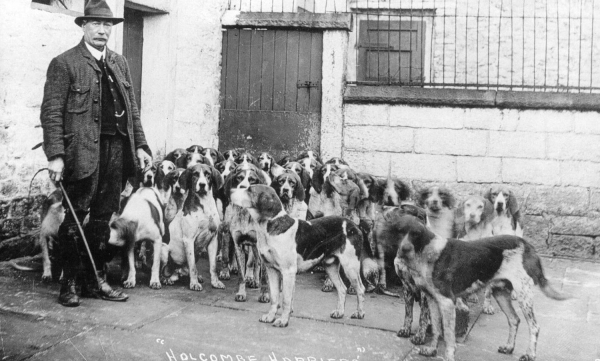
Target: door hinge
[(308, 84)]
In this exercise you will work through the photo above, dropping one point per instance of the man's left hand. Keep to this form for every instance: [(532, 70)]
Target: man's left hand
[(144, 159)]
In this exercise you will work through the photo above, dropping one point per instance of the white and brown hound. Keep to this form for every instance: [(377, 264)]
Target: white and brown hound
[(507, 219), (195, 227), (439, 203), (213, 156), (291, 193), (288, 246), (446, 269)]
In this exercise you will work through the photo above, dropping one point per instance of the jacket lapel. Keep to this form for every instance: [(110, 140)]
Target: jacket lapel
[(86, 54)]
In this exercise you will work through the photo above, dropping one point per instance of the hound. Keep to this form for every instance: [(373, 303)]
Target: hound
[(507, 219), (446, 269), (291, 193), (439, 203), (213, 156)]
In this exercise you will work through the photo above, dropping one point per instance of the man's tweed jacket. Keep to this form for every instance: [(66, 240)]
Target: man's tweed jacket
[(71, 111)]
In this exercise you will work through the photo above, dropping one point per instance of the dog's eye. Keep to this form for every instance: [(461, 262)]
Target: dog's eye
[(480, 206)]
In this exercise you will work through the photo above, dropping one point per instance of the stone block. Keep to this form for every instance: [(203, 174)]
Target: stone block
[(509, 120), (366, 114), (568, 201), (441, 168), (375, 163), (426, 117), (578, 226), (385, 139), (574, 147), (586, 122), (451, 142), (579, 173), (549, 121), (571, 246), (536, 230), (482, 118), (517, 145), (595, 200), (478, 169), (533, 171)]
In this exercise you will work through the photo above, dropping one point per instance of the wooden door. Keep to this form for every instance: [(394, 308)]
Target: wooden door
[(133, 45), (271, 91)]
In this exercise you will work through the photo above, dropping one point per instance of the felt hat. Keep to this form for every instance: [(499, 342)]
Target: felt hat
[(97, 10)]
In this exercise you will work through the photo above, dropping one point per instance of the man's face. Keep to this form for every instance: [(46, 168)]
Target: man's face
[(97, 32)]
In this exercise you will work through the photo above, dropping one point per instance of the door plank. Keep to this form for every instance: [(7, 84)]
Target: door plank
[(256, 49), (279, 73), (244, 69), (268, 67), (316, 57), (232, 68), (304, 61), (291, 73)]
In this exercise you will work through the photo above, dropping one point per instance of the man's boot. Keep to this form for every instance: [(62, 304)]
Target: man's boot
[(67, 243), (97, 234)]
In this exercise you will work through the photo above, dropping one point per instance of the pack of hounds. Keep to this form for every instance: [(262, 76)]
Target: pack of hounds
[(268, 220)]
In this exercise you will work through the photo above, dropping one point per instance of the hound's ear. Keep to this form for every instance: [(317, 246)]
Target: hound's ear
[(285, 160), (449, 199), (317, 180), (181, 162), (459, 221), (402, 189), (185, 179), (488, 195), (422, 195), (227, 184), (376, 191), (276, 170), (299, 191), (217, 179), (513, 208), (305, 178), (488, 210), (364, 191), (220, 157)]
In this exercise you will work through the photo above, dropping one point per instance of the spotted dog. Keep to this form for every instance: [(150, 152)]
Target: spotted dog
[(507, 219), (339, 162), (474, 218), (195, 227), (238, 229), (192, 157), (446, 269), (231, 154), (288, 246), (213, 156), (439, 202), (175, 154), (291, 193), (319, 192), (265, 161), (385, 233), (304, 175), (142, 219)]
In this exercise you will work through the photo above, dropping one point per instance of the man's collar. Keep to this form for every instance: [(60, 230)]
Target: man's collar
[(97, 54)]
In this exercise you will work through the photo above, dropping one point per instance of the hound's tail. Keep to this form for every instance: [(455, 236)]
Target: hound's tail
[(16, 266), (533, 266)]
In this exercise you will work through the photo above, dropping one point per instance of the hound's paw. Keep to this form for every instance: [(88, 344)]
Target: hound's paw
[(166, 281), (267, 318), (461, 306), (224, 274), (473, 298), (241, 297), (526, 358), (319, 269), (418, 339), (217, 284), (195, 286), (252, 283), (404, 332), (200, 279), (488, 309), (155, 285), (327, 286), (234, 270), (129, 284), (264, 298), (370, 288), (506, 350), (280, 322), (337, 314), (359, 315), (427, 351), (46, 278), (351, 290), (513, 296)]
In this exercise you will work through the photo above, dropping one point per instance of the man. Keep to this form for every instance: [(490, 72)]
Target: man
[(92, 135)]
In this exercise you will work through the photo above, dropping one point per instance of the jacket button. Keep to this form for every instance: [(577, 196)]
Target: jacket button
[(95, 100), (96, 119), (96, 140), (97, 82)]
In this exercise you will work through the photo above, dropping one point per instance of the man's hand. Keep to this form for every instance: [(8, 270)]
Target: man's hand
[(55, 168), (143, 158)]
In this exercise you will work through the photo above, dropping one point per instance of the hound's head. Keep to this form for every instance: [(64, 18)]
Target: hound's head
[(213, 156), (194, 156), (339, 162), (265, 161), (435, 198), (243, 176), (503, 200), (231, 155), (288, 186), (394, 191), (162, 169), (260, 200), (225, 167), (477, 209), (203, 179), (321, 175), (414, 237), (370, 188), (175, 154), (302, 173)]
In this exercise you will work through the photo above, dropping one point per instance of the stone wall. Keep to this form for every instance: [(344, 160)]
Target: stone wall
[(550, 159)]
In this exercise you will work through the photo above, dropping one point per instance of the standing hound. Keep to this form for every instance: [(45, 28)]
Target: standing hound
[(195, 227), (507, 219), (238, 229), (439, 203), (288, 246), (142, 219), (446, 269)]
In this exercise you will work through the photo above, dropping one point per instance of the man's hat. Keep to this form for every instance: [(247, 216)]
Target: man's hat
[(97, 10)]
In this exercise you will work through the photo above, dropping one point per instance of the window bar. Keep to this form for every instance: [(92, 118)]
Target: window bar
[(557, 46), (592, 50), (569, 48), (488, 41), (421, 45), (466, 42), (389, 43), (455, 37), (431, 43), (410, 36), (523, 52), (580, 30), (367, 73), (546, 50), (512, 43), (377, 39), (477, 45), (499, 43), (534, 42), (444, 47)]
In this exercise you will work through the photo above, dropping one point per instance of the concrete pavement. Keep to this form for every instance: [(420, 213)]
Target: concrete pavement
[(175, 323)]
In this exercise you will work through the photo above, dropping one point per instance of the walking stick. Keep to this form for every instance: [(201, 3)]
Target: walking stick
[(87, 247)]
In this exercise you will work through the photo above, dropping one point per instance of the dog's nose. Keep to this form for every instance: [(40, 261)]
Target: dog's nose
[(405, 249), (435, 202), (500, 206)]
